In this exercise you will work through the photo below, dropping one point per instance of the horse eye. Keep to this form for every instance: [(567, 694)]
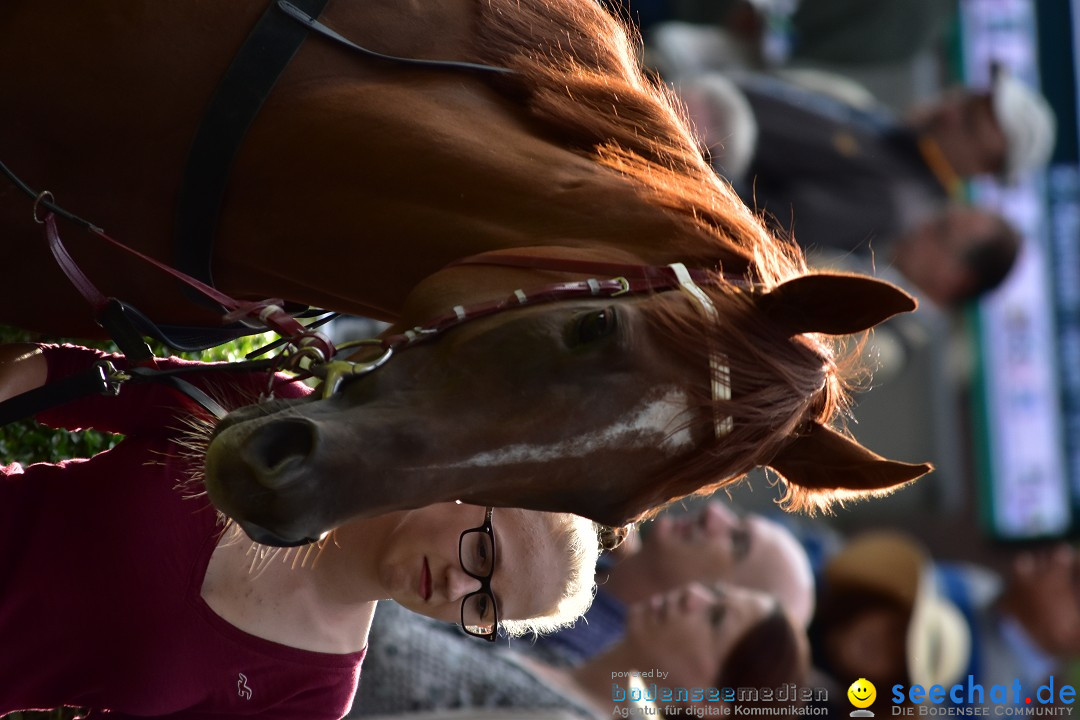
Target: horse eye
[(595, 325)]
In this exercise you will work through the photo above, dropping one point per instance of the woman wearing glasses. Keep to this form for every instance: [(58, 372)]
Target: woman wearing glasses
[(124, 593)]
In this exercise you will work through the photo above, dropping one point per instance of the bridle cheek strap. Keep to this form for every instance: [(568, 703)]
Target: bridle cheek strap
[(719, 370)]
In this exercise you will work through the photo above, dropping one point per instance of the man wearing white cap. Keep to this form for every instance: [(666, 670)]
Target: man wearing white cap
[(884, 618), (848, 177), (1006, 130), (893, 615)]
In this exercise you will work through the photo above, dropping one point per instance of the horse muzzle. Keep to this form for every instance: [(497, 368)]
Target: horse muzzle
[(265, 537), (256, 473)]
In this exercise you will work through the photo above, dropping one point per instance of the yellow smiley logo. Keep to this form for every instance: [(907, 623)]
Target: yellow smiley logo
[(862, 693)]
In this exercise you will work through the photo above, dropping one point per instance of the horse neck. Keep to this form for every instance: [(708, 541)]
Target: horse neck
[(403, 170), (357, 180), (107, 114), (408, 177)]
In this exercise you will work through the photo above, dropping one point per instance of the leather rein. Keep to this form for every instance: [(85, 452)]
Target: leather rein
[(252, 75)]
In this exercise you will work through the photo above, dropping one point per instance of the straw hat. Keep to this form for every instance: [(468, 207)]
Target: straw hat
[(893, 565), (1027, 121)]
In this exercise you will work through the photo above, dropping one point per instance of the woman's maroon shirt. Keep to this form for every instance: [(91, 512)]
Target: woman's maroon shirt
[(101, 567)]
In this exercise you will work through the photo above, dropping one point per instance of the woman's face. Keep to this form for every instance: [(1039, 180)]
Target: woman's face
[(421, 570), (690, 632), (718, 545)]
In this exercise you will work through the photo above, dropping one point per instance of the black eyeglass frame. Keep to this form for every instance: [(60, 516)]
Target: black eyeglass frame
[(485, 580)]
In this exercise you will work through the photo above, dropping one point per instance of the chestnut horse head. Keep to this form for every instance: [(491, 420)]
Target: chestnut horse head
[(360, 181), (605, 407)]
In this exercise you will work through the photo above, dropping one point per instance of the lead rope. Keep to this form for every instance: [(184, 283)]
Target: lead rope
[(312, 346), (104, 377), (263, 313)]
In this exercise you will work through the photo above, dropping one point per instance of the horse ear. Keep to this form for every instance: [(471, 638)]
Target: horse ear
[(834, 304), (823, 465)]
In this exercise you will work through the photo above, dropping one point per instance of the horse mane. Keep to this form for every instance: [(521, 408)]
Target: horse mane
[(578, 69)]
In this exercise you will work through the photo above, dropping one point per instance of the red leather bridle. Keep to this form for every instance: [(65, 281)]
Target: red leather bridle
[(629, 279)]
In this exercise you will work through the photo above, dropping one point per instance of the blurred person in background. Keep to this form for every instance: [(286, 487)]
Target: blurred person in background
[(708, 545), (1031, 629), (723, 636), (819, 156), (882, 616), (700, 637), (832, 33), (716, 544), (892, 614), (854, 178), (956, 255)]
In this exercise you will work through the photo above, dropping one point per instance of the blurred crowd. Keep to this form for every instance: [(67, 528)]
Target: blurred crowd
[(840, 171), (716, 599)]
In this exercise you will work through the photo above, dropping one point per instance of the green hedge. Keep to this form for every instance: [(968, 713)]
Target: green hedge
[(27, 441)]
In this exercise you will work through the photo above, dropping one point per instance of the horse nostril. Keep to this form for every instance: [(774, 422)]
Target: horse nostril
[(279, 448)]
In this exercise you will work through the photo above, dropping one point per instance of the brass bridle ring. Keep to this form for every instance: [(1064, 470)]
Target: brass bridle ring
[(37, 201), (334, 371)]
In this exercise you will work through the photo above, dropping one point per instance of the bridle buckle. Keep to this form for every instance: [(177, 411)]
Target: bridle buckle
[(334, 372)]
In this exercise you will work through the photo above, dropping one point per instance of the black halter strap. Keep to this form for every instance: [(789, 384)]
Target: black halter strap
[(239, 97), (247, 83), (297, 13)]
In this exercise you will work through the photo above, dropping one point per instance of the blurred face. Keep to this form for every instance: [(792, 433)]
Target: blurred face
[(965, 129), (421, 569), (1043, 593), (690, 632), (872, 644), (717, 544), (933, 255)]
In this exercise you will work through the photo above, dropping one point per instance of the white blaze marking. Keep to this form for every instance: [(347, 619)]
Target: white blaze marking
[(649, 425)]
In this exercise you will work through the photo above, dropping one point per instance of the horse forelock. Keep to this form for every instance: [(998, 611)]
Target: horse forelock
[(779, 384), (579, 67)]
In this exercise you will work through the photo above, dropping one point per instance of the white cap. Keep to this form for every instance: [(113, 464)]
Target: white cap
[(938, 637), (1027, 121)]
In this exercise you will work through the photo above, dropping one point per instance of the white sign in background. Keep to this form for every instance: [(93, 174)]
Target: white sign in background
[(1017, 340)]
